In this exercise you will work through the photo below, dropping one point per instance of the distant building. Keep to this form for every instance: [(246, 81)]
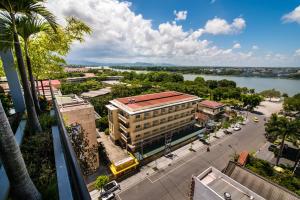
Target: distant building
[(76, 69), (78, 111), (146, 118), (211, 108), (96, 93), (236, 183)]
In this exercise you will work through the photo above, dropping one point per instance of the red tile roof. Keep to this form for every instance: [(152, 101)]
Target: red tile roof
[(156, 99), (211, 104), (201, 117), (243, 158)]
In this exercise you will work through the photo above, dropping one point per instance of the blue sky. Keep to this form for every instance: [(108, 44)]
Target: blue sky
[(188, 32), (263, 18)]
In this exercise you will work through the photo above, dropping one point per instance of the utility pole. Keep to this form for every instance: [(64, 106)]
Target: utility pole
[(168, 145)]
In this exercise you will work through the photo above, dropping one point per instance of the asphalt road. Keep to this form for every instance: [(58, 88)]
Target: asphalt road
[(173, 182)]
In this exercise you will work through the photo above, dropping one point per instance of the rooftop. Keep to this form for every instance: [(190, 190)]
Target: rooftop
[(95, 93), (148, 101), (258, 184), (216, 184), (211, 104), (70, 102)]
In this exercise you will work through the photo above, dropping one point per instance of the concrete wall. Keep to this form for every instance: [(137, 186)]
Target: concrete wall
[(84, 115)]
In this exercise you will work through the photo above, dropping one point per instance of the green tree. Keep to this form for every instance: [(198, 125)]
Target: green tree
[(101, 181), (251, 100), (292, 103), (86, 154), (280, 126), (1, 68), (22, 186), (27, 28), (271, 93), (48, 50), (10, 10)]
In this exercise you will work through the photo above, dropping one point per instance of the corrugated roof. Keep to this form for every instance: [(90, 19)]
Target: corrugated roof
[(258, 184), (211, 104), (156, 99)]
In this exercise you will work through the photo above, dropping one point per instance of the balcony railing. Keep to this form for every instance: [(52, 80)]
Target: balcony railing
[(124, 119), (70, 180)]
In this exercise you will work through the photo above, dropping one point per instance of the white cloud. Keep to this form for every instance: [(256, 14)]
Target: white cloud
[(236, 46), (255, 47), (213, 1), (120, 35), (293, 16), (221, 26), (297, 52), (180, 15)]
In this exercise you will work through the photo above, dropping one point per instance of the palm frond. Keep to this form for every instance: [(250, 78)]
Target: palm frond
[(6, 36), (30, 25)]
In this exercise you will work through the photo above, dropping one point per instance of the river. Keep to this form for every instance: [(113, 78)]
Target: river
[(289, 86)]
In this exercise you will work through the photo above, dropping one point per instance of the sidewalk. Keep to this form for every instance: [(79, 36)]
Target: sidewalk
[(162, 163)]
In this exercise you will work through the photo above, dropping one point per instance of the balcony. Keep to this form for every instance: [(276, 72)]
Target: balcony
[(123, 128), (123, 118)]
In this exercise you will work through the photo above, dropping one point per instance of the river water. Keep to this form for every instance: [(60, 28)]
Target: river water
[(289, 86)]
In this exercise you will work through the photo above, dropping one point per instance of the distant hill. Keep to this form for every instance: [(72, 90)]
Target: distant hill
[(136, 64)]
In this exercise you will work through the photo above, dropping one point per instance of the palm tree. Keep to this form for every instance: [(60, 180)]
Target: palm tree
[(280, 126), (21, 185), (10, 9), (27, 27)]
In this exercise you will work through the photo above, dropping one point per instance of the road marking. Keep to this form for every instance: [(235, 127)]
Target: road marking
[(184, 162)]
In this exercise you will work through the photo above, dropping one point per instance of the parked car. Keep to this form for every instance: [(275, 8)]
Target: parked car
[(237, 127), (244, 122), (108, 196), (111, 187), (272, 147), (255, 119), (227, 132)]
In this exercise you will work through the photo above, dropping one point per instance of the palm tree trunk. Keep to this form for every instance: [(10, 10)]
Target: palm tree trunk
[(297, 161), (33, 121), (33, 90), (281, 149), (21, 185)]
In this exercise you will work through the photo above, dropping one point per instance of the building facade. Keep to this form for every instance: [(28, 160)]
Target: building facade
[(143, 119), (211, 108), (75, 111)]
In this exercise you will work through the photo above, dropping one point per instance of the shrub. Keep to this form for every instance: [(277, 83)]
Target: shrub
[(38, 155), (101, 181), (47, 121)]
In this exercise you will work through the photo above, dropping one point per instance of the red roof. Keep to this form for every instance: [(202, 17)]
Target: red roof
[(155, 99), (202, 116), (243, 158), (54, 83), (211, 104)]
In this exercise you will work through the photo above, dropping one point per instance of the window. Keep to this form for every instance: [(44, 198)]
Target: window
[(138, 116), (138, 135), (183, 105), (138, 126), (147, 125), (163, 110), (193, 103)]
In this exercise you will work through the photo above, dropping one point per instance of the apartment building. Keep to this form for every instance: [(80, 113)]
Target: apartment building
[(75, 110), (143, 119)]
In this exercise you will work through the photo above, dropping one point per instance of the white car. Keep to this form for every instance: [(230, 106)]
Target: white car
[(237, 127), (109, 196), (111, 187)]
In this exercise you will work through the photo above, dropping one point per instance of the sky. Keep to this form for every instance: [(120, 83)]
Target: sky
[(186, 32)]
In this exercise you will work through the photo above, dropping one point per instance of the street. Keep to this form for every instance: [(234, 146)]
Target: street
[(173, 182)]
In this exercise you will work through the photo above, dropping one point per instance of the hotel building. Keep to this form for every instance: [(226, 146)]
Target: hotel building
[(143, 119)]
